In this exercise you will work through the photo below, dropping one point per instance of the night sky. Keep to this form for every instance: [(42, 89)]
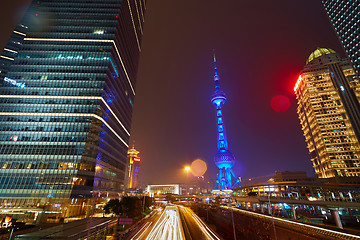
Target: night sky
[(261, 46)]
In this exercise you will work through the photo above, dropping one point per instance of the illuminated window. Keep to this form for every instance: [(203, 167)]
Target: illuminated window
[(221, 136)]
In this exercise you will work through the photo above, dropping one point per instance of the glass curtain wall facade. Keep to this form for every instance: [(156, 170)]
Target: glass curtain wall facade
[(67, 90), (328, 93), (345, 18)]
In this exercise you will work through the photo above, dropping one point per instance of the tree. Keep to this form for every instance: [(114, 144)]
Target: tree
[(113, 206), (170, 198), (128, 206)]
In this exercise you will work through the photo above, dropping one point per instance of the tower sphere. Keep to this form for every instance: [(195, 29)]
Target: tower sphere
[(224, 159), (218, 97)]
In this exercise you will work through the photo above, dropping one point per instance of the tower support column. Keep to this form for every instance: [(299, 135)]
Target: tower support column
[(269, 209), (293, 211), (335, 214), (262, 207)]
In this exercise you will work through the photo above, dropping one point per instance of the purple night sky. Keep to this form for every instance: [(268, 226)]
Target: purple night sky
[(261, 46)]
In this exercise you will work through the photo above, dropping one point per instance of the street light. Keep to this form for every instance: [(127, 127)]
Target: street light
[(187, 169)]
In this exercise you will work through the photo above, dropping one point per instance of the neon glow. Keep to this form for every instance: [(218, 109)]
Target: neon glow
[(99, 31), (60, 56), (141, 11), (20, 33), (9, 50), (7, 58), (224, 159), (14, 82), (297, 84), (136, 159), (67, 115), (132, 19), (70, 97), (85, 40), (137, 11), (115, 68)]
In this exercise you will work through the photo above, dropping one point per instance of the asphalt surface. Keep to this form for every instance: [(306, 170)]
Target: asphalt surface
[(141, 230), (165, 226), (197, 229)]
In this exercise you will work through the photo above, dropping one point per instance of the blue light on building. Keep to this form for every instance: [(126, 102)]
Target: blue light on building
[(344, 16), (224, 159), (66, 76)]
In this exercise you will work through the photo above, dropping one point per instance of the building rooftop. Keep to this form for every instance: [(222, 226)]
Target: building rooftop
[(319, 52)]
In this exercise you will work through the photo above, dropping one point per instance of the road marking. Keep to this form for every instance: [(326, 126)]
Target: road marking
[(146, 225), (210, 234)]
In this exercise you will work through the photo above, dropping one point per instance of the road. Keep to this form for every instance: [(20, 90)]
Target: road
[(144, 227), (173, 223), (165, 225), (197, 229)]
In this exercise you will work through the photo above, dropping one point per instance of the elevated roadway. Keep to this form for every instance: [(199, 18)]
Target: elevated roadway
[(195, 228), (173, 223), (317, 231)]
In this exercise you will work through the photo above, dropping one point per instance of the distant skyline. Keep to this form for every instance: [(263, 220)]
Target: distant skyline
[(261, 48)]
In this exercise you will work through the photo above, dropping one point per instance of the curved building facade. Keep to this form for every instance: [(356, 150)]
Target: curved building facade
[(328, 93), (67, 90)]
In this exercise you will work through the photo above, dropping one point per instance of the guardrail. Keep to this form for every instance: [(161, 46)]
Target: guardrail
[(258, 199), (300, 227)]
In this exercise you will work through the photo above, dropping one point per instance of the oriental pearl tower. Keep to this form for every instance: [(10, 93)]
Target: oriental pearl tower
[(224, 159)]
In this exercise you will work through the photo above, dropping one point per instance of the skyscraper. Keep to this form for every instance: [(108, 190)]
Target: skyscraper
[(328, 93), (344, 16), (224, 159), (66, 96)]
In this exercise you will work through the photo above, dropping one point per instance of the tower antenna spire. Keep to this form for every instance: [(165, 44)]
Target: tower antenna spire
[(224, 159), (216, 76)]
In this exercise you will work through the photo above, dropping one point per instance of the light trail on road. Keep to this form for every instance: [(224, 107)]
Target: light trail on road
[(141, 231), (205, 229), (168, 226)]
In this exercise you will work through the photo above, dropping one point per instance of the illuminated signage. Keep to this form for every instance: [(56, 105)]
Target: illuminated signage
[(14, 82), (136, 159), (297, 83)]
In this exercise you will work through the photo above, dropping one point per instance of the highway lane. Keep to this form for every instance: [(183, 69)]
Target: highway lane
[(165, 226), (144, 227), (168, 227), (197, 228)]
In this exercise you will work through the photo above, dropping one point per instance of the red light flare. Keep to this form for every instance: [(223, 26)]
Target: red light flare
[(280, 103), (297, 83)]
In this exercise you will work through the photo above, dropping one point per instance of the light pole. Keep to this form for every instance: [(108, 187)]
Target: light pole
[(233, 223), (187, 169)]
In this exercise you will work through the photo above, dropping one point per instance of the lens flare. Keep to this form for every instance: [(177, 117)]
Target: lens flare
[(280, 103), (198, 167)]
